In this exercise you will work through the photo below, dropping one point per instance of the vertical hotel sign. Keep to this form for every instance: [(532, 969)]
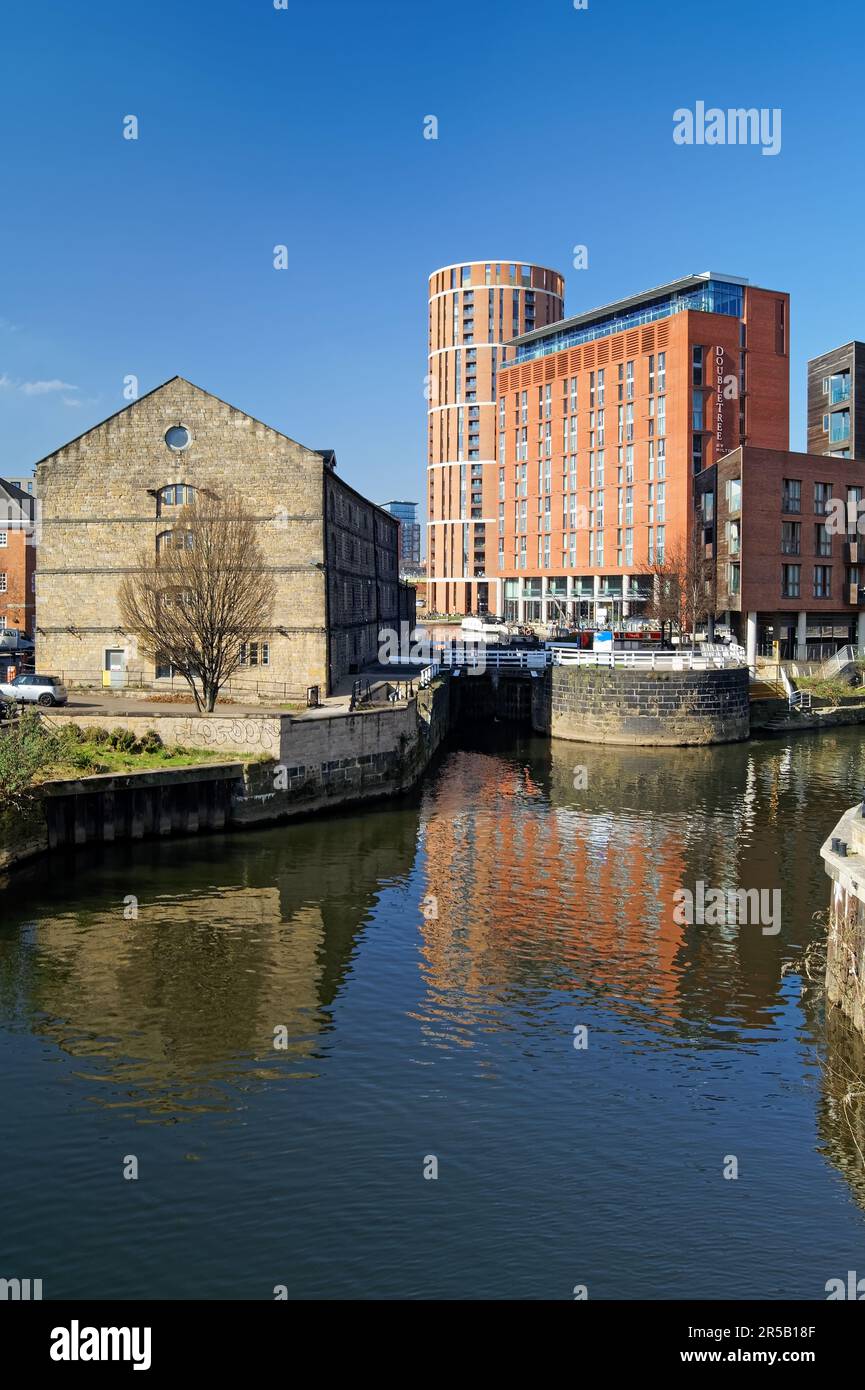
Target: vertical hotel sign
[(723, 443)]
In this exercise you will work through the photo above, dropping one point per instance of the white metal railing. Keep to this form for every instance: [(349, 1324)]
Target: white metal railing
[(843, 657), (428, 674), (796, 699), (477, 656)]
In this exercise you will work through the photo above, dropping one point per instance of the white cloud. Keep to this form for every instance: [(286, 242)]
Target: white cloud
[(41, 388)]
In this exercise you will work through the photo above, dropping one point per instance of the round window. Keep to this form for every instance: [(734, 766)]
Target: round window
[(177, 437)]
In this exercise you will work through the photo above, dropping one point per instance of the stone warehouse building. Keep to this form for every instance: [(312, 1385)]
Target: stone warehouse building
[(334, 555)]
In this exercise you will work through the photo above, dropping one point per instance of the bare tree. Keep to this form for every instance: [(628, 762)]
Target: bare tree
[(682, 587), (201, 594)]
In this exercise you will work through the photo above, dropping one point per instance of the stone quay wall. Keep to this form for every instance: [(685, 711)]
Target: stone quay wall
[(844, 859), (622, 705)]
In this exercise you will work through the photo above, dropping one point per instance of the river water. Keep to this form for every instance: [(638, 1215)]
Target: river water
[(302, 1021)]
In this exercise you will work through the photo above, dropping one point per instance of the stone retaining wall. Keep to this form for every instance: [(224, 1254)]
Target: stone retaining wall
[(623, 705)]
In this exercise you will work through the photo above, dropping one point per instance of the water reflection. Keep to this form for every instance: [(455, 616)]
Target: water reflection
[(233, 938), (429, 960)]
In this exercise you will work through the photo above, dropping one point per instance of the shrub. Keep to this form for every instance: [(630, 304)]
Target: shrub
[(150, 741), (27, 748), (123, 740), (98, 735)]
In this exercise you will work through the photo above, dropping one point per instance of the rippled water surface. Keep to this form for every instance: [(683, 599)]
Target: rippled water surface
[(426, 963)]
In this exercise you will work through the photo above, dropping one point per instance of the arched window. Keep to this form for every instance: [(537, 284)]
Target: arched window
[(175, 495), (176, 540)]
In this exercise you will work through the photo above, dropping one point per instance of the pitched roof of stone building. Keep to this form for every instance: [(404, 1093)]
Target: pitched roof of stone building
[(327, 454)]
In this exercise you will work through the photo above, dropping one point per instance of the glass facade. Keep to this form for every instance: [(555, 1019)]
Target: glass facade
[(711, 297)]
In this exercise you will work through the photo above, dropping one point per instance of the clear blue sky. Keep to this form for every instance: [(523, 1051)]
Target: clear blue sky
[(304, 126)]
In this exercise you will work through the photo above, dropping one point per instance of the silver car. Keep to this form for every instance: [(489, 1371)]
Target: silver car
[(38, 690)]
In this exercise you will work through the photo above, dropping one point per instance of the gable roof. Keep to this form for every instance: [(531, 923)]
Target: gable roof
[(161, 387)]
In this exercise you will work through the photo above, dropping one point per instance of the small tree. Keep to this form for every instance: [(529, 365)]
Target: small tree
[(201, 595), (682, 595)]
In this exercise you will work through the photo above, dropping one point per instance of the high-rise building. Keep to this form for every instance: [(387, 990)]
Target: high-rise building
[(474, 309), (836, 402), (609, 426), (409, 531)]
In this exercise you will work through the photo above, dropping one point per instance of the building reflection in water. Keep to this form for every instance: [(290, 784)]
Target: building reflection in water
[(233, 938), (565, 891)]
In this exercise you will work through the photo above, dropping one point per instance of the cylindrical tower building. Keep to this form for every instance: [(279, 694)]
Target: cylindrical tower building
[(474, 309)]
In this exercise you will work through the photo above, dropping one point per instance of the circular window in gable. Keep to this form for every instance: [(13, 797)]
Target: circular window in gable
[(177, 438)]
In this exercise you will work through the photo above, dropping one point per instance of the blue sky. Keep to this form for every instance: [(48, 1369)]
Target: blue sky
[(304, 127)]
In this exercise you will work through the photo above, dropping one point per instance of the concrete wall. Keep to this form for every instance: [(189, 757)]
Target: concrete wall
[(250, 735), (603, 705), (344, 758)]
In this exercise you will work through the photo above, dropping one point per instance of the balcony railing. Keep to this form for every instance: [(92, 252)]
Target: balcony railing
[(839, 391)]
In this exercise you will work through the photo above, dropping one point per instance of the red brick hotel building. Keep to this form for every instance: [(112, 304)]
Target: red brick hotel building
[(605, 421)]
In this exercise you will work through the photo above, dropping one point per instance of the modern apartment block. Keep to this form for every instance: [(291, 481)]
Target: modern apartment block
[(604, 424), (788, 570), (474, 309), (409, 531), (17, 558), (836, 402)]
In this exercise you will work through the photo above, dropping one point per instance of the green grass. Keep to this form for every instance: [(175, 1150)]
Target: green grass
[(86, 763), (830, 689)]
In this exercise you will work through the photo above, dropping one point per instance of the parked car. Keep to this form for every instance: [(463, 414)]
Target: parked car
[(39, 690)]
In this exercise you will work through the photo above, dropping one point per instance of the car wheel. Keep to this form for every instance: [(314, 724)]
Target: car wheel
[(45, 699)]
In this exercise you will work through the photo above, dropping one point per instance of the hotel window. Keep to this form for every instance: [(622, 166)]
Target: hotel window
[(600, 429), (660, 543), (601, 387), (592, 390), (546, 552), (697, 415), (629, 423), (697, 452), (629, 546), (651, 374), (502, 413), (501, 484), (629, 464), (822, 495), (620, 391), (629, 506), (599, 548), (650, 504), (791, 496), (662, 458), (662, 373), (822, 540), (662, 415), (697, 366), (790, 575), (4, 539), (854, 497), (662, 501), (791, 537), (733, 489), (522, 552), (600, 471), (573, 395), (548, 401), (629, 381), (2, 582), (501, 518), (501, 557), (732, 529), (650, 546), (652, 418), (822, 581), (651, 459), (524, 407), (734, 578), (620, 426)]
